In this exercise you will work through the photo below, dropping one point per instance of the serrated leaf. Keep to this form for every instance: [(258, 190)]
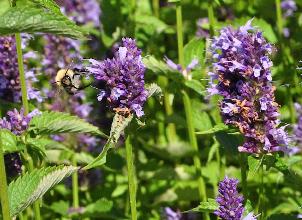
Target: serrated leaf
[(30, 19), (154, 89), (32, 186), (48, 4), (209, 206), (216, 128), (59, 122), (9, 142), (117, 127)]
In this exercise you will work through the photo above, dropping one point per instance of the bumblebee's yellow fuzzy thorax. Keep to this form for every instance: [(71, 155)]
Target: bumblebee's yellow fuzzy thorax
[(61, 73)]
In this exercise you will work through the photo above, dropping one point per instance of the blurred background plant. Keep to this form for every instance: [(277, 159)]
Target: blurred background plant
[(166, 163)]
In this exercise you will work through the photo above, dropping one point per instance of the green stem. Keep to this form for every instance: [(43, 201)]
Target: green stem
[(181, 58), (194, 144), (155, 4), (279, 17), (75, 184), (22, 74), (188, 110), (211, 17), (30, 168), (285, 63), (3, 187), (171, 128), (243, 166), (131, 178), (26, 109), (261, 193), (132, 7)]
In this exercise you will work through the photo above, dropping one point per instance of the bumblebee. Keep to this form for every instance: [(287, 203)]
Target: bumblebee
[(71, 80)]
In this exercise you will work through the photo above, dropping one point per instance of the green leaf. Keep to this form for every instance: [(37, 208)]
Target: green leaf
[(194, 50), (32, 186), (117, 127), (48, 4), (195, 85), (254, 164), (100, 206), (209, 206), (151, 21), (4, 5), (217, 128), (59, 122), (157, 66), (9, 142), (29, 19), (268, 31)]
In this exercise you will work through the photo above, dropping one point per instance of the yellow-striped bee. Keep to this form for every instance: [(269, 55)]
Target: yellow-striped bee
[(71, 80)]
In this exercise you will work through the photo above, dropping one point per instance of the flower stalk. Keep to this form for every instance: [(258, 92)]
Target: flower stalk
[(22, 74), (188, 110), (131, 178), (3, 187), (211, 17), (26, 109), (75, 184)]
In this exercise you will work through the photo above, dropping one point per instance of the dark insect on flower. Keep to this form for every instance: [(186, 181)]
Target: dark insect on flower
[(123, 77), (229, 200), (70, 80), (242, 76)]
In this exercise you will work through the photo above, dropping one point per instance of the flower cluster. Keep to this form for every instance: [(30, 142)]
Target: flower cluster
[(229, 200), (170, 214), (17, 122), (123, 77), (289, 7), (59, 52), (10, 88), (297, 130), (82, 12), (186, 72), (242, 69)]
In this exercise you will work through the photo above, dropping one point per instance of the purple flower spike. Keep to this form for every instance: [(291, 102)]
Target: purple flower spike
[(242, 76), (124, 78), (17, 122), (229, 200)]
